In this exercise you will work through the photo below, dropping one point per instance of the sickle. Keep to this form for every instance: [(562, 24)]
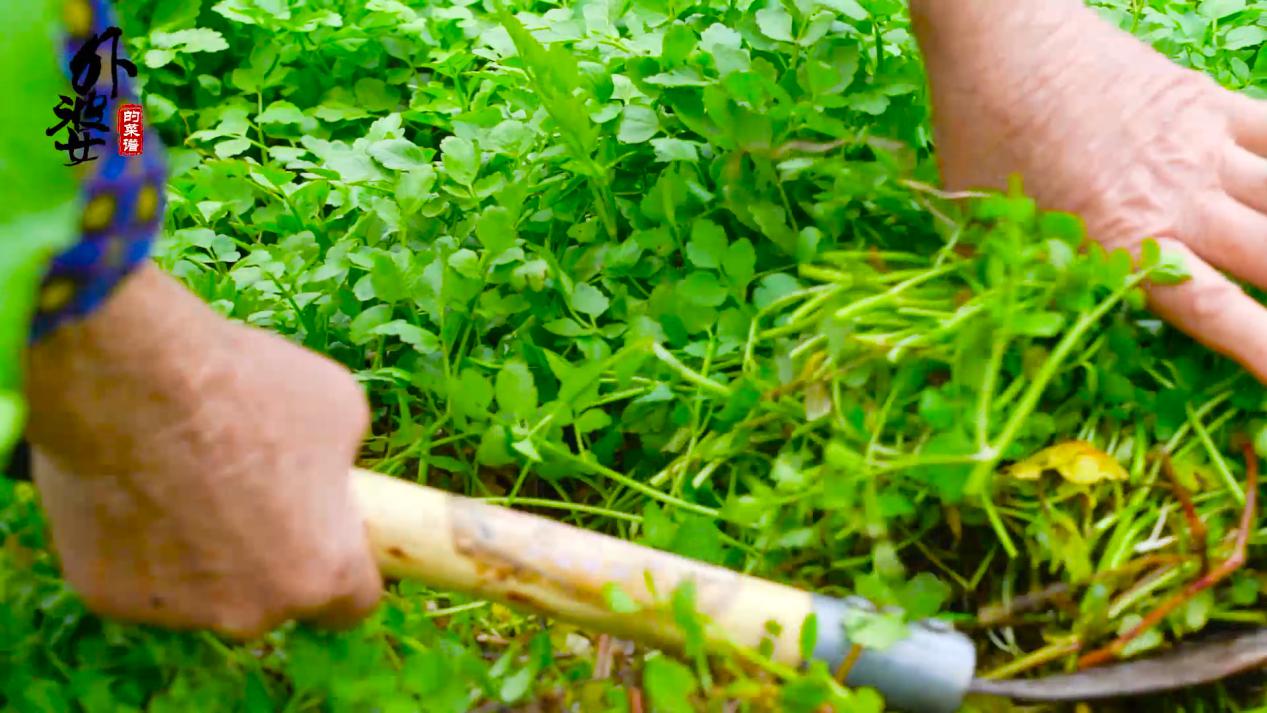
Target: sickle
[(1191, 664), (538, 564)]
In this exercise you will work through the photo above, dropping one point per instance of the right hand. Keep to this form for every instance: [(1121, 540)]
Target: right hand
[(195, 472)]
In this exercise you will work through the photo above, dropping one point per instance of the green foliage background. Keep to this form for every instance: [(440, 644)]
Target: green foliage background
[(42, 222), (673, 270)]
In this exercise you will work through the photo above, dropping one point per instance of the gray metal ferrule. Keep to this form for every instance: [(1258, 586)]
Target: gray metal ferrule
[(927, 672)]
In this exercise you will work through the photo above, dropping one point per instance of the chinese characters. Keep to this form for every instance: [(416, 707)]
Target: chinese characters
[(85, 112), (131, 130)]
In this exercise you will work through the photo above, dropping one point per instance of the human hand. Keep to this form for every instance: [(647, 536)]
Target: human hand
[(1101, 125), (195, 471)]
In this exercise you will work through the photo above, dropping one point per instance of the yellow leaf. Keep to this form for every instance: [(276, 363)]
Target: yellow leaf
[(1078, 462)]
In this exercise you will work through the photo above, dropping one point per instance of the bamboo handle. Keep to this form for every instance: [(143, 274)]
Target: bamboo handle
[(455, 543)]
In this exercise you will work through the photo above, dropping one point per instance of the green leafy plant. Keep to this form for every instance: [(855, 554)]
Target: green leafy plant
[(671, 270)]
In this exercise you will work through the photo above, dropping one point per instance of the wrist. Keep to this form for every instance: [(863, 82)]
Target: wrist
[(99, 387)]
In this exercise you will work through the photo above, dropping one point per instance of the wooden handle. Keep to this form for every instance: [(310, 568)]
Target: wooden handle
[(525, 561)]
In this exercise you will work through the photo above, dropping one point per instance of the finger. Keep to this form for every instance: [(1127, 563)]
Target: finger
[(1244, 175), (1249, 123), (1234, 238), (359, 599), (1215, 311), (357, 589)]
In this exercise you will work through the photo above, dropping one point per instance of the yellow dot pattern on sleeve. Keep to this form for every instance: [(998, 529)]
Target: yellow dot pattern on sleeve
[(146, 204), (122, 198), (56, 294), (98, 213), (77, 16)]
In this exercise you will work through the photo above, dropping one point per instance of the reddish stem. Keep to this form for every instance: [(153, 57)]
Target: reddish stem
[(1197, 527), (1209, 579)]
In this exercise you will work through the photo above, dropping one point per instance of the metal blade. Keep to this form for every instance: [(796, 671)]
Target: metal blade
[(1187, 665)]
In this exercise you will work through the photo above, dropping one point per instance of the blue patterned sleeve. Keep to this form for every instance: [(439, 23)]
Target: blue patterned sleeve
[(123, 196)]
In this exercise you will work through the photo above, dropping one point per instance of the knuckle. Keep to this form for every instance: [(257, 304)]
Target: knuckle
[(307, 595), (307, 589), (361, 581), (245, 624), (1209, 302)]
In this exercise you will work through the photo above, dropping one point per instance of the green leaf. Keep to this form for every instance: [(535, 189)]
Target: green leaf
[(658, 529), (849, 8), (773, 287), (589, 300), (678, 77), (708, 246), (175, 14), (702, 288), (809, 637), (638, 124), (876, 631), (775, 22), (565, 327), (413, 335), (413, 188), (923, 596), (474, 393), (281, 112), (591, 421), (516, 391), (466, 263), (232, 147), (1039, 324), (678, 43), (726, 47), (740, 262), (496, 231), (460, 161), (1219, 9), (398, 154), (362, 328), (617, 600), (699, 539), (670, 149), (195, 40), (1171, 269), (517, 685), (719, 36), (376, 95), (388, 278), (669, 684), (1244, 36), (1197, 611), (1150, 639), (493, 450)]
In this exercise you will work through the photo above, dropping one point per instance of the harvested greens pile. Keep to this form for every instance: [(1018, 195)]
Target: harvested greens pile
[(674, 270)]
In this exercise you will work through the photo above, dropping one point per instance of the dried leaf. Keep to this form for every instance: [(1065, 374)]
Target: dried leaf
[(1078, 462)]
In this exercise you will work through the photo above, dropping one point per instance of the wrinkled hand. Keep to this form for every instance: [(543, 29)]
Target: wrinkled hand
[(195, 472), (1099, 124)]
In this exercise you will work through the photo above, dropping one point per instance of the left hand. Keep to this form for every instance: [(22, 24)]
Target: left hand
[(1099, 124)]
